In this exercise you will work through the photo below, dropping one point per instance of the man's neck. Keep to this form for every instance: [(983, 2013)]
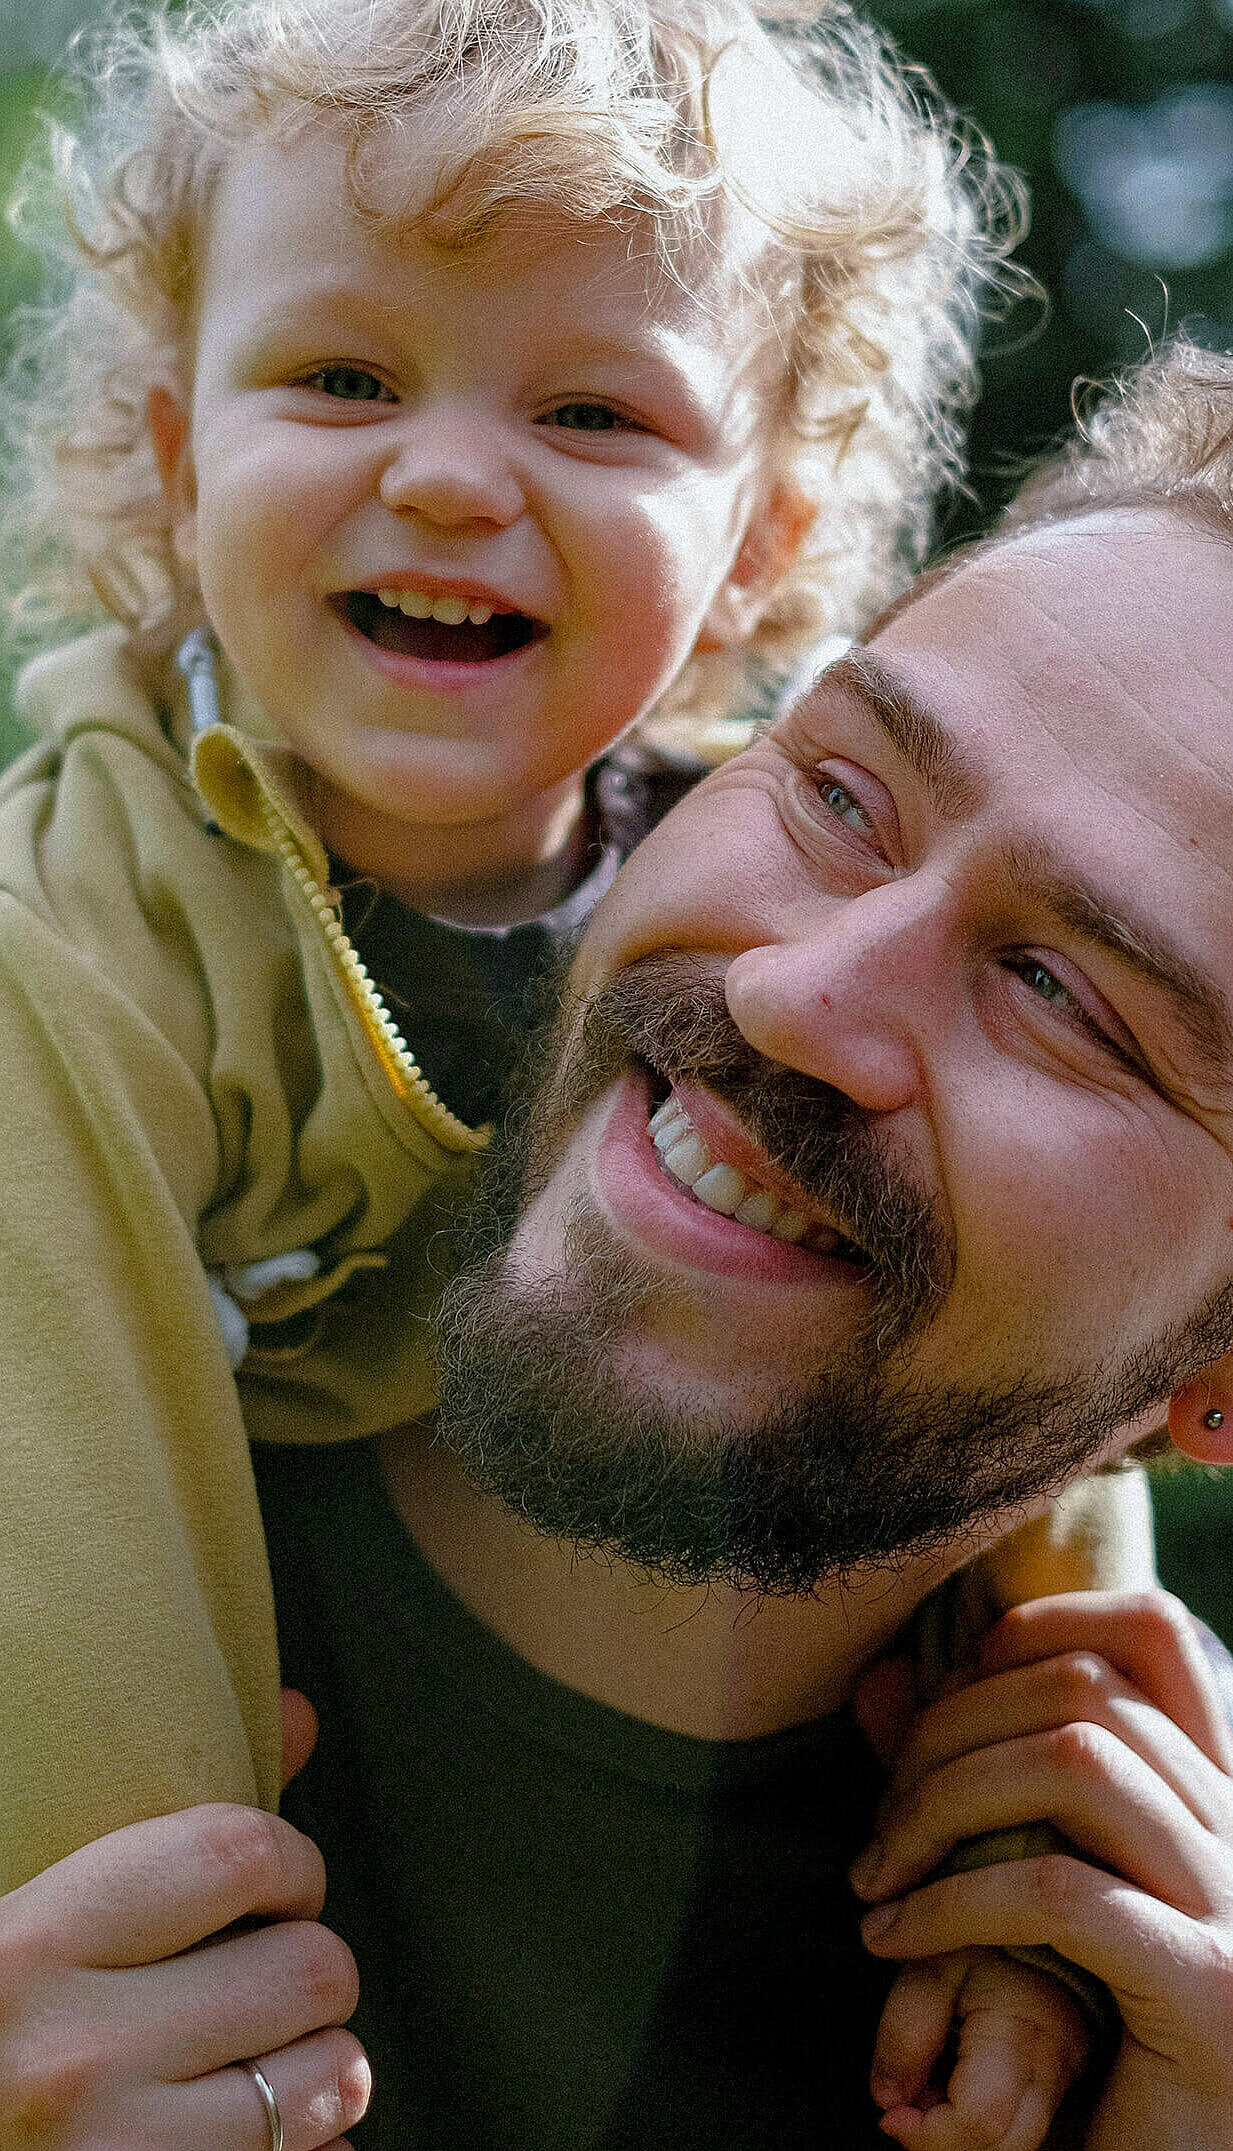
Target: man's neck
[(712, 1661)]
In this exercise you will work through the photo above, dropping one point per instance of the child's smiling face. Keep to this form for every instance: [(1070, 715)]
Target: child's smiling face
[(546, 435)]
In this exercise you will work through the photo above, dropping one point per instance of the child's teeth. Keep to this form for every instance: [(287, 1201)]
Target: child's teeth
[(687, 1159), (722, 1189), (450, 611), (759, 1210)]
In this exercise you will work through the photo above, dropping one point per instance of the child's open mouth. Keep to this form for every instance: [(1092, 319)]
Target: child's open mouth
[(446, 631)]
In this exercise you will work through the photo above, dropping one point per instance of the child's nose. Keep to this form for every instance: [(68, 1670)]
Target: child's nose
[(452, 474)]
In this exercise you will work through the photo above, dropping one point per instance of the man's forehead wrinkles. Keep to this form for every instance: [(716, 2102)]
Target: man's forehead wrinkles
[(1158, 709), (1036, 876), (1101, 656), (914, 730), (1155, 702)]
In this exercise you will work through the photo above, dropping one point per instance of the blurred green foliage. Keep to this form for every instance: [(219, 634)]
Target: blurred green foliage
[(1120, 114), (1194, 1541)]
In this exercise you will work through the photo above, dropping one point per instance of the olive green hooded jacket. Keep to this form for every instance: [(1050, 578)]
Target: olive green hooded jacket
[(194, 1072)]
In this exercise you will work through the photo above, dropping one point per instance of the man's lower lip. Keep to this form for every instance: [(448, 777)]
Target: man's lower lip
[(665, 1219), (422, 672)]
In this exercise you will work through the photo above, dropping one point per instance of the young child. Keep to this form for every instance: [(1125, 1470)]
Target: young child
[(437, 392)]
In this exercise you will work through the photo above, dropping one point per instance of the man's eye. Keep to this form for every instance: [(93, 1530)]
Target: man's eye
[(581, 417), (1048, 987), (349, 384), (1042, 981), (844, 807)]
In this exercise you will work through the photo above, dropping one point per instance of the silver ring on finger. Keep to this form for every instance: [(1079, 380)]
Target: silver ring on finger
[(265, 2092)]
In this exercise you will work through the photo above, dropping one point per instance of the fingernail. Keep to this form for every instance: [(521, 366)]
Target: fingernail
[(876, 1924), (863, 1873), (885, 2090)]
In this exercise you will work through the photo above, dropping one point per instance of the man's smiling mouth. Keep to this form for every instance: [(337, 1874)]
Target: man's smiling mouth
[(437, 630), (722, 1187)]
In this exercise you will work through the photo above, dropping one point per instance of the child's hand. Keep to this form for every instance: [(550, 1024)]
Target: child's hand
[(975, 2052), (1099, 1714), (974, 2049), (299, 1732)]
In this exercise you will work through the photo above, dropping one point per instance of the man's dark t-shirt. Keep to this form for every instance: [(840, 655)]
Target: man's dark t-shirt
[(575, 1931)]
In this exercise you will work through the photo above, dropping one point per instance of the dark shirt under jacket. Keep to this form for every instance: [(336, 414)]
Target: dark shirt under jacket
[(575, 1931)]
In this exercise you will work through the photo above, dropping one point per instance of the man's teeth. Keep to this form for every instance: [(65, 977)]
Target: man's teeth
[(451, 612), (683, 1153)]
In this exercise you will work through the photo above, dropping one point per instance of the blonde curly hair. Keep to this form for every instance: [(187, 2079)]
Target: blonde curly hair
[(888, 229)]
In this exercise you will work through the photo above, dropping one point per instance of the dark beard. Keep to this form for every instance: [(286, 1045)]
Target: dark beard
[(862, 1468)]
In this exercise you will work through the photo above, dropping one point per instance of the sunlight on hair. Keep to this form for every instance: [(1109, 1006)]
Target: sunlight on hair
[(1160, 435), (887, 230)]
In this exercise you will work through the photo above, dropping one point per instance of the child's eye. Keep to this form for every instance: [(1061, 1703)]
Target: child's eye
[(580, 417), (349, 384)]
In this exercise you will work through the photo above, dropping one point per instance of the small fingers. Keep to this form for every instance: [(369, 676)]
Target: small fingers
[(1022, 2040), (916, 2022), (299, 1732), (1001, 2097)]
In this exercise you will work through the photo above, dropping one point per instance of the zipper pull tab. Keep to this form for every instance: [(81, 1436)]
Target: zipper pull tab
[(197, 659)]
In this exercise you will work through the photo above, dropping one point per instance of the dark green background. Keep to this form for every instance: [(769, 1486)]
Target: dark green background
[(1120, 114)]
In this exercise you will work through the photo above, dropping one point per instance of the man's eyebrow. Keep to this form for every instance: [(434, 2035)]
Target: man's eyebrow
[(914, 730), (1032, 874), (1199, 1004)]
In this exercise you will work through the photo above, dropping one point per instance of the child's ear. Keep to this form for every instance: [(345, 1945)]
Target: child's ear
[(1201, 1415), (168, 424), (776, 532)]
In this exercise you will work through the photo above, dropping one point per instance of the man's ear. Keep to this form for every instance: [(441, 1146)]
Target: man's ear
[(1201, 1415), (777, 530), (168, 423)]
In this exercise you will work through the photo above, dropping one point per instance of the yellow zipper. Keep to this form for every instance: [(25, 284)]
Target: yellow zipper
[(399, 1063)]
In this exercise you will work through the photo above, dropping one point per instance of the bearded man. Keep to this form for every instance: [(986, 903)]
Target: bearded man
[(879, 1184)]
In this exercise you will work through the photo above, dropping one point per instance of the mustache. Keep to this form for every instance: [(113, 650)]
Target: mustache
[(670, 1011)]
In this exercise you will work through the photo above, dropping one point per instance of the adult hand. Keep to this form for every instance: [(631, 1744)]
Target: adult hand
[(1098, 1713), (126, 2003)]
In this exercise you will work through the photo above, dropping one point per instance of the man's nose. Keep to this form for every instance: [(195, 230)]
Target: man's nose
[(854, 997), (452, 472)]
